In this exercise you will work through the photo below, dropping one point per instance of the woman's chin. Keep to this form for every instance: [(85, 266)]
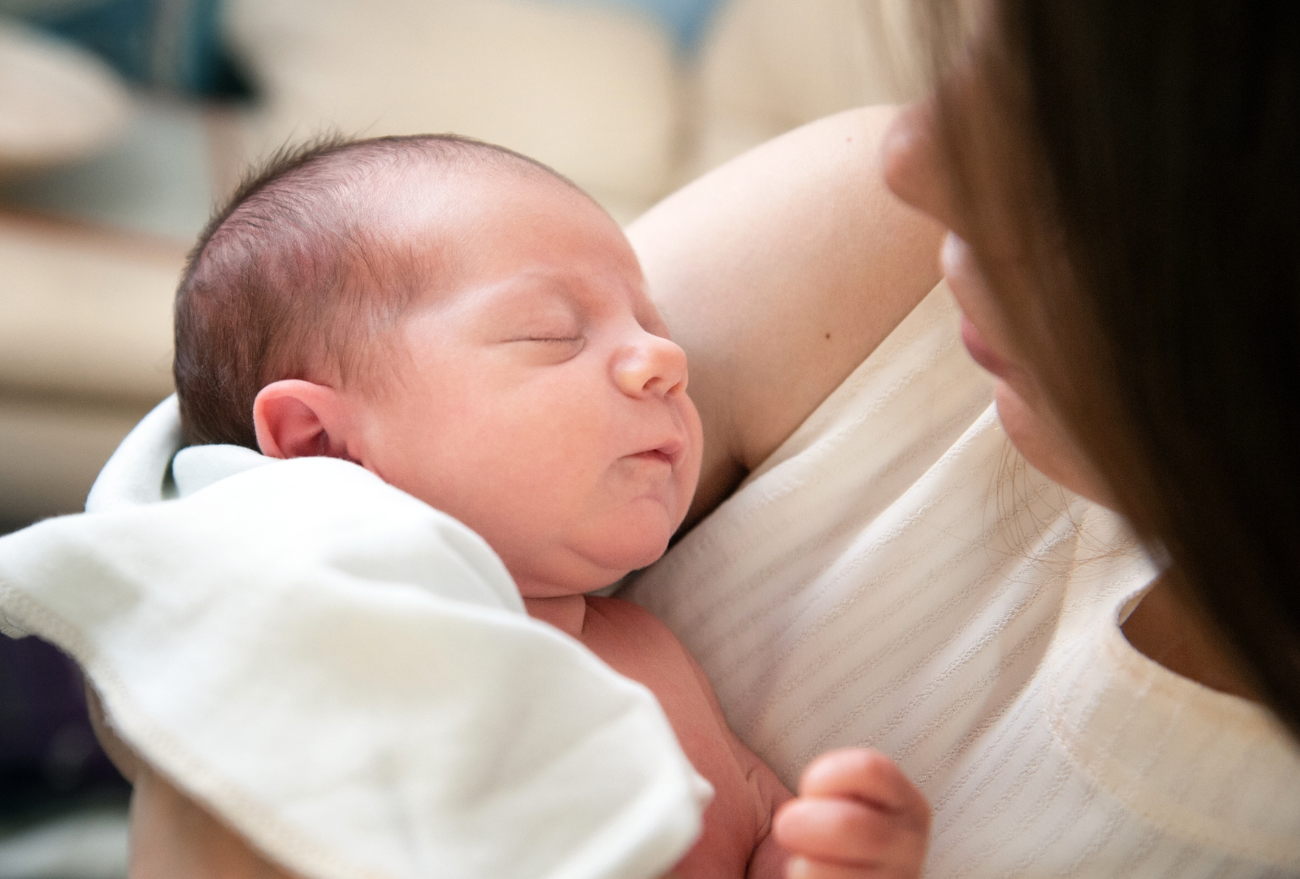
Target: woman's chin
[(1045, 445)]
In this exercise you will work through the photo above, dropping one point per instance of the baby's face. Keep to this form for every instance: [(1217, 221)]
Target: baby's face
[(539, 399)]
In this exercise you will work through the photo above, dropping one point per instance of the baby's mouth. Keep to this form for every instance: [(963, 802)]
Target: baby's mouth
[(669, 453), (655, 455)]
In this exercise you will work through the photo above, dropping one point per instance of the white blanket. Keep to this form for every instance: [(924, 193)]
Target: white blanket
[(346, 675)]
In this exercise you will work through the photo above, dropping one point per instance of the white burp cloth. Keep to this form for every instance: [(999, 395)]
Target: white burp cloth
[(345, 675)]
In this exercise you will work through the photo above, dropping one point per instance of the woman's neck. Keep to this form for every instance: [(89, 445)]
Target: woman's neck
[(1166, 630)]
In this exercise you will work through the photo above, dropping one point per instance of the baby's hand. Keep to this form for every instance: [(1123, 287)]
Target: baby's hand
[(856, 816)]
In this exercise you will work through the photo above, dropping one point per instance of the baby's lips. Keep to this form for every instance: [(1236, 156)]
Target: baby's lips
[(673, 450), (670, 451), (655, 455)]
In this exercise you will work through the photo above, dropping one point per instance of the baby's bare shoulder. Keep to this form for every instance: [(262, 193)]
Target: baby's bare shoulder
[(616, 609), (638, 645), (615, 619)]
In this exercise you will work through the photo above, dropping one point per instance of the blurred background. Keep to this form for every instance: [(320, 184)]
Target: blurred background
[(123, 122)]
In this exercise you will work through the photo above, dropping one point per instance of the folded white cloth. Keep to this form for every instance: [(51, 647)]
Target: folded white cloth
[(344, 674)]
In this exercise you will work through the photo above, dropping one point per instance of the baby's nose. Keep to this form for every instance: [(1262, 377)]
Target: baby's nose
[(652, 365)]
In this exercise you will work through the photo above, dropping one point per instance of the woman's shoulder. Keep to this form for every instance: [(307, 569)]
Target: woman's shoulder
[(778, 273)]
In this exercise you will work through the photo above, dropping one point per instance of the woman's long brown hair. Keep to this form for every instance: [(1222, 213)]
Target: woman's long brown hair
[(1150, 152)]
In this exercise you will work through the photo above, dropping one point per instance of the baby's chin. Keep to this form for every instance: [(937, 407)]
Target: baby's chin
[(583, 572), (623, 560)]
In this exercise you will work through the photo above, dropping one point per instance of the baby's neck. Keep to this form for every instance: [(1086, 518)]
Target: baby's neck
[(566, 612)]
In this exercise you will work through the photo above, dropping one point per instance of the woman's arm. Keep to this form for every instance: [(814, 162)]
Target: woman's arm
[(171, 834), (779, 273)]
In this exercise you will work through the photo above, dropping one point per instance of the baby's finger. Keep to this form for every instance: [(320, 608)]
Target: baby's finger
[(843, 831), (866, 775)]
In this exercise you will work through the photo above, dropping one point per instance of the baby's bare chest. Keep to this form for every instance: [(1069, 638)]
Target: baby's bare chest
[(639, 647)]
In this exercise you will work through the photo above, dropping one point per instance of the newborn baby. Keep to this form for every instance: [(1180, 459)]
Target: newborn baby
[(473, 329)]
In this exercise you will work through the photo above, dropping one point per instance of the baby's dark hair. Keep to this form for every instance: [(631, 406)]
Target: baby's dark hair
[(294, 277)]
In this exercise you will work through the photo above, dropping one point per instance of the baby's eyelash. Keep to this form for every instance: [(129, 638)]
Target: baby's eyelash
[(552, 338)]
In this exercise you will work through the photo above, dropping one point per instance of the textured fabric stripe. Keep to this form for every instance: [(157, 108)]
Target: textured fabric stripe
[(894, 576)]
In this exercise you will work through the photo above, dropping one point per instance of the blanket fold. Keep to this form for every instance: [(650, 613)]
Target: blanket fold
[(345, 675)]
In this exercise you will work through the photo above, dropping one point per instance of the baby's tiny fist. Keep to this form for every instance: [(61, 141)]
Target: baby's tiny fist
[(857, 815)]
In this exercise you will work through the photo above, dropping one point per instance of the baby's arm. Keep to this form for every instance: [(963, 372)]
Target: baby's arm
[(769, 859), (856, 816)]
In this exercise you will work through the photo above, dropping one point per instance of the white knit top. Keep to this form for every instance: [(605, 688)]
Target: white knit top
[(896, 576)]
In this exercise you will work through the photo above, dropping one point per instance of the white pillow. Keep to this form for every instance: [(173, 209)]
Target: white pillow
[(57, 103), (768, 66), (591, 91)]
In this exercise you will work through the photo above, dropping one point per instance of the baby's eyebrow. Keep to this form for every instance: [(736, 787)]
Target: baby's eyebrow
[(578, 298), (583, 300), (519, 296)]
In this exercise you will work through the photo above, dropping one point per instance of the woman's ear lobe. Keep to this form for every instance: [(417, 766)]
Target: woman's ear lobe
[(301, 419)]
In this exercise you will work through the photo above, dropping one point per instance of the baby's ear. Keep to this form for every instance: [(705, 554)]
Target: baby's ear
[(301, 419)]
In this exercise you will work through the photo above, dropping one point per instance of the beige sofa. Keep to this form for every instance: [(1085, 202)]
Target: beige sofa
[(90, 254)]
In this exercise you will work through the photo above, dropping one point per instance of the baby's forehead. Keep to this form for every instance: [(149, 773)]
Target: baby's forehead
[(466, 180), (505, 233), (457, 210), (479, 212)]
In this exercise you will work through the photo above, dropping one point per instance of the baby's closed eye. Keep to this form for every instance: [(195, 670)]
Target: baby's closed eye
[(548, 322), (547, 346), (554, 338), (537, 314), (544, 325)]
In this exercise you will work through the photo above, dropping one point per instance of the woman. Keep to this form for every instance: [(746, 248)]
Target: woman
[(1108, 171), (1118, 180)]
